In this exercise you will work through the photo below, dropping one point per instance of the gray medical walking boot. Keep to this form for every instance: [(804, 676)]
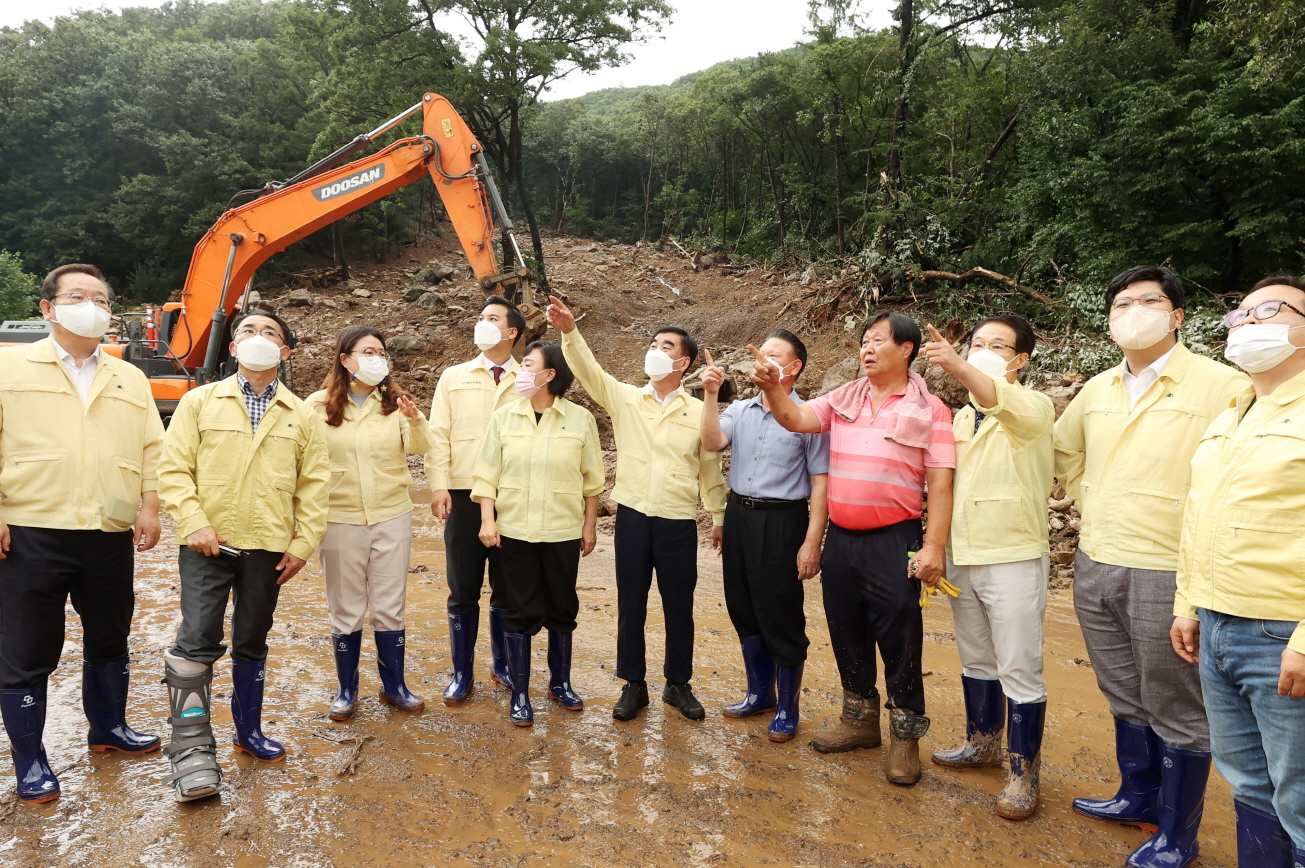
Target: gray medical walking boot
[(193, 750)]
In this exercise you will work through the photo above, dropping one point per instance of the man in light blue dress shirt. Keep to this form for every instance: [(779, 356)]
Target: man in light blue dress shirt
[(772, 538)]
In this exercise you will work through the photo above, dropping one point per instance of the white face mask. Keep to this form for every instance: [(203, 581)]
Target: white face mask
[(658, 365), (257, 353), (1259, 347), (85, 319), (989, 363), (487, 335), (783, 369), (371, 370), (1140, 327)]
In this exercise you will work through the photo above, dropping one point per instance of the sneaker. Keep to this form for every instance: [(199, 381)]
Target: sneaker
[(681, 696), (634, 696)]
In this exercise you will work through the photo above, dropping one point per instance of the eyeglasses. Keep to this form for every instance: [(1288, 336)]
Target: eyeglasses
[(78, 298), (995, 346), (1151, 299), (370, 353), (1263, 310), (270, 333)]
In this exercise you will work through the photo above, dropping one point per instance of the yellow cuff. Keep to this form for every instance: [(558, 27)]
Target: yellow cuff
[(1297, 641), (192, 523), (300, 549), (718, 518)]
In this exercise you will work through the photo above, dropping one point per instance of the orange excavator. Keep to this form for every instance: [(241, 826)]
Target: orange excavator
[(185, 343)]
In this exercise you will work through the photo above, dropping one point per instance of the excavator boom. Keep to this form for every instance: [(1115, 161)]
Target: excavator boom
[(244, 237)]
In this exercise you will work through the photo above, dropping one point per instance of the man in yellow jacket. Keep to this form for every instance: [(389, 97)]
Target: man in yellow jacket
[(1123, 452), (661, 469), (465, 398), (997, 554), (246, 476), (1240, 605), (79, 450)]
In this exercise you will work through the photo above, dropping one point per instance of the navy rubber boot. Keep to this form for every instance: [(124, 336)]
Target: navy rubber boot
[(1182, 802), (462, 650), (559, 671), (1019, 799), (518, 655), (985, 718), (499, 668), (784, 725), (104, 699), (1261, 840), (247, 712), (347, 648), (760, 669), (24, 717), (1140, 755), (1298, 857), (389, 659)]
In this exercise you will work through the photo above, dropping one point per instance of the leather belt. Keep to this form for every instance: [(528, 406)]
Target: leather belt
[(765, 502)]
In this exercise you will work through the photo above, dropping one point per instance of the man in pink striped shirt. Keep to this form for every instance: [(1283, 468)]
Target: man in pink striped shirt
[(891, 440)]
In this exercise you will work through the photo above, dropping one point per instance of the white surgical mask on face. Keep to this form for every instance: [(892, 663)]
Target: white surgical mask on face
[(1258, 347), (783, 369), (85, 319), (372, 370), (257, 353), (1140, 327), (989, 363), (658, 365), (487, 335)]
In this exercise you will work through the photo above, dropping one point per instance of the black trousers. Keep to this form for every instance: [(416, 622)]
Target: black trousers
[(539, 579), (762, 591), (43, 569), (869, 602), (669, 546), (465, 557), (206, 582)]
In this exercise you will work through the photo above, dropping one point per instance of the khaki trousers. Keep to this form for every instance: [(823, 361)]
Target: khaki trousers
[(366, 564)]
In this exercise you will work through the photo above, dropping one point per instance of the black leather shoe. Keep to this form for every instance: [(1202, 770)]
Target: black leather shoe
[(634, 696), (681, 696)]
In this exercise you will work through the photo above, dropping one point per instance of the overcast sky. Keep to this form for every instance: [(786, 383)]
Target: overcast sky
[(699, 34)]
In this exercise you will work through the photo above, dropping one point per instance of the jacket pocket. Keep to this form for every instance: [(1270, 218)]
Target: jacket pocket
[(566, 506), (995, 517), (122, 491), (31, 476), (395, 472), (1150, 518)]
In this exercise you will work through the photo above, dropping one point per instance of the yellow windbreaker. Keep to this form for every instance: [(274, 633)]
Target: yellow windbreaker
[(465, 398), (1003, 476), (369, 465), (1130, 470), (69, 465), (539, 474), (266, 490), (1243, 545), (661, 467)]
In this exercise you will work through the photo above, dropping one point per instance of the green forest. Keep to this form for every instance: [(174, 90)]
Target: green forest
[(1050, 143)]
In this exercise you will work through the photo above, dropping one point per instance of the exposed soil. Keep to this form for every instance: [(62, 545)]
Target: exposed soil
[(463, 787)]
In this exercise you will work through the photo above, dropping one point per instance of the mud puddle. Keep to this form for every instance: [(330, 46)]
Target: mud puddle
[(461, 786)]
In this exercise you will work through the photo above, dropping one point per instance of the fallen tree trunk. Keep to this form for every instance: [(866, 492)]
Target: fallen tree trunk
[(989, 276)]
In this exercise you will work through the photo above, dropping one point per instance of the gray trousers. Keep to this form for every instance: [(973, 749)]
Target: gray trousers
[(1126, 614), (205, 585)]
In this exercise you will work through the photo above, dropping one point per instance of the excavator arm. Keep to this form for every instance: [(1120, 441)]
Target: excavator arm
[(244, 237)]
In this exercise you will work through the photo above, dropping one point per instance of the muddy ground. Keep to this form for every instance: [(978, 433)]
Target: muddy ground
[(463, 787)]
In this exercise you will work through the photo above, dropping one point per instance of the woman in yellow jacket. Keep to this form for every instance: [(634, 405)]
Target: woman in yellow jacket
[(368, 539), (537, 480)]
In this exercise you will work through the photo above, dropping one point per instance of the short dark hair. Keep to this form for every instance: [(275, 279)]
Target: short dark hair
[(686, 340), (799, 348), (1280, 280), (50, 286), (1170, 283), (1025, 339), (903, 328), (254, 311), (553, 358), (515, 318)]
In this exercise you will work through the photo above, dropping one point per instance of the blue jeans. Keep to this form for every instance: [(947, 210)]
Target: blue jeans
[(1257, 736)]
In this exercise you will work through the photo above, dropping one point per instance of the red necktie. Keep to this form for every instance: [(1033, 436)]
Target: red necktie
[(498, 372)]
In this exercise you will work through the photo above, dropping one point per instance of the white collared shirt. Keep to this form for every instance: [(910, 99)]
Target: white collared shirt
[(83, 377), (483, 361), (1137, 385), (648, 389)]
